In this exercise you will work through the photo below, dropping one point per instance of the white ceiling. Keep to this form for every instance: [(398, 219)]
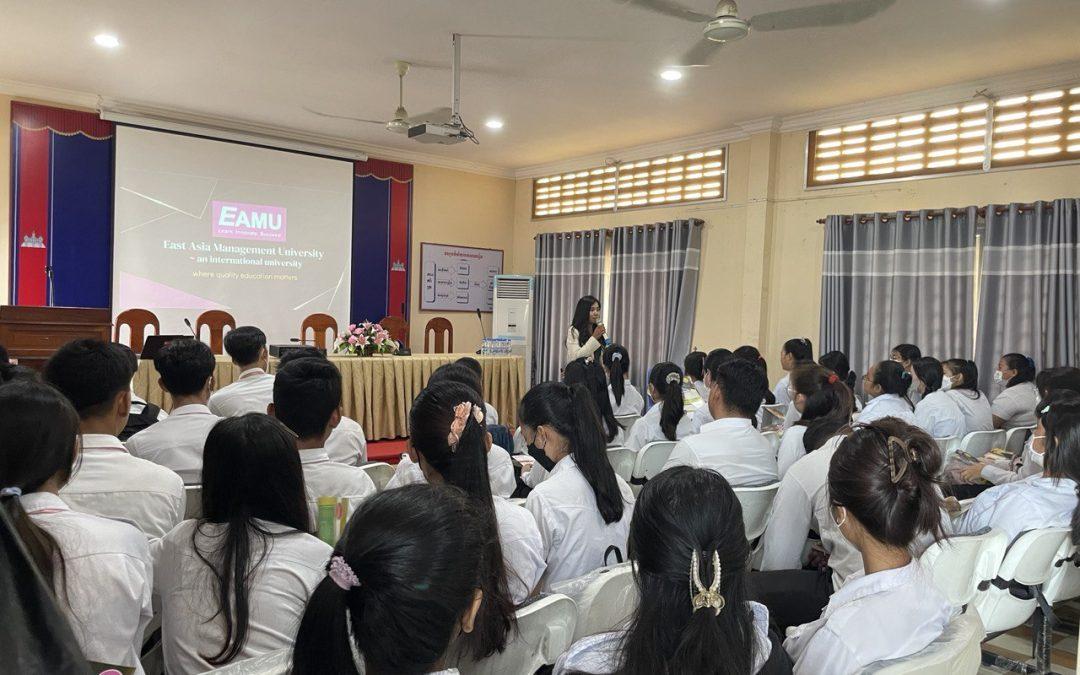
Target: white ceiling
[(596, 91)]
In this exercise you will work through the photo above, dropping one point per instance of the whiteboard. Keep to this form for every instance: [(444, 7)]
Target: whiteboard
[(458, 278)]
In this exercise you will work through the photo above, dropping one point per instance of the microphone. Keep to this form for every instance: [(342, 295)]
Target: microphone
[(483, 331), (188, 324), (296, 340)]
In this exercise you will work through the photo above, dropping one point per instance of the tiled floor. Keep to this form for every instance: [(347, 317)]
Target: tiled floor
[(1016, 645)]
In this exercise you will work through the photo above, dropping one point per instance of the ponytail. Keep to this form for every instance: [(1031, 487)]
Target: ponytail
[(1059, 415), (666, 379), (1024, 367), (828, 407), (893, 379), (929, 372), (969, 374), (617, 361), (41, 546), (591, 376)]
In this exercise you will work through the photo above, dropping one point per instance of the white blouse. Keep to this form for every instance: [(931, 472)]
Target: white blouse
[(1016, 406), (886, 405), (939, 415), (1017, 507), (791, 450), (574, 351), (976, 409), (647, 429), (781, 390), (522, 548), (632, 401), (500, 473)]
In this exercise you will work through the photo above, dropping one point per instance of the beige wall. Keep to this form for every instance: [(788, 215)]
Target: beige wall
[(5, 198)]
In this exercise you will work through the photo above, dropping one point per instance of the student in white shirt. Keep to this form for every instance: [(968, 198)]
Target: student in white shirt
[(694, 368), (1015, 406), (936, 413), (625, 398), (411, 558), (585, 338), (99, 569), (347, 443), (883, 493), (186, 370), (687, 532), (906, 355), (794, 352), (702, 416), (730, 444), (590, 375), (962, 384), (141, 414), (254, 388), (583, 508), (233, 583), (490, 413), (665, 420), (448, 434), (95, 376), (824, 404), (886, 384), (307, 399)]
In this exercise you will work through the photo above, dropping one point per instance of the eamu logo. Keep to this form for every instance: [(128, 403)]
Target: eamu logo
[(236, 220)]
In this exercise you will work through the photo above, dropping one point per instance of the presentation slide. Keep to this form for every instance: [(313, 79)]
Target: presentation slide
[(201, 224)]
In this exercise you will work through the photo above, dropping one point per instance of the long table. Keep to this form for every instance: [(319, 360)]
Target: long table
[(379, 390)]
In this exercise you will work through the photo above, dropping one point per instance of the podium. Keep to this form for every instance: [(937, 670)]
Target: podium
[(32, 334)]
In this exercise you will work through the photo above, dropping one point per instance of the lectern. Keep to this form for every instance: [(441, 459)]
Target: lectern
[(32, 334)]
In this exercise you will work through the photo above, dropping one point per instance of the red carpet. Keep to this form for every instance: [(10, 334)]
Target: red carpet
[(386, 451)]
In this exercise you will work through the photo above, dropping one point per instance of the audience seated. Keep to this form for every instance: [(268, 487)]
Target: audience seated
[(590, 375), (753, 355), (95, 377), (883, 494), (794, 352), (702, 416), (405, 590), (490, 413), (99, 568), (186, 369), (254, 388), (1014, 407), (307, 400), (936, 413), (583, 508), (687, 530), (962, 384), (824, 404), (448, 434), (665, 420), (141, 414), (886, 385), (730, 444), (837, 362), (232, 583), (625, 398), (694, 367), (906, 355), (347, 443)]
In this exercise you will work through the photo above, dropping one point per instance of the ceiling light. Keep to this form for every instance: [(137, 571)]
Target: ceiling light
[(671, 75), (106, 40), (494, 123)]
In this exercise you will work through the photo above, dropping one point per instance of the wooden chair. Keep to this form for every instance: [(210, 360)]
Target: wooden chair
[(444, 336), (398, 328), (138, 320), (319, 324), (215, 320)]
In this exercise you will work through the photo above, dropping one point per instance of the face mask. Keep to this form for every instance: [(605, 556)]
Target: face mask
[(999, 376), (541, 458), (1037, 458), (946, 384), (843, 519)]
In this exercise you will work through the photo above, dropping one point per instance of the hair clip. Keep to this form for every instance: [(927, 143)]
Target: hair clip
[(672, 378), (616, 356), (833, 379), (1045, 410), (11, 492), (896, 474), (700, 597), (461, 416), (341, 574)]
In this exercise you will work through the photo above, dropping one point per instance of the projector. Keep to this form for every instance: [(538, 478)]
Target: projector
[(444, 134)]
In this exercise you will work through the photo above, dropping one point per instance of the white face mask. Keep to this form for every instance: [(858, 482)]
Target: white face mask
[(946, 383), (1037, 458), (999, 376)]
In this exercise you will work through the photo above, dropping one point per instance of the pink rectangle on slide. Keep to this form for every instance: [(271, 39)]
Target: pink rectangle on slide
[(236, 220)]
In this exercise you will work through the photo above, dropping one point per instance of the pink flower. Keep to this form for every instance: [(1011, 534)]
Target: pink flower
[(352, 327), (353, 339), (382, 336)]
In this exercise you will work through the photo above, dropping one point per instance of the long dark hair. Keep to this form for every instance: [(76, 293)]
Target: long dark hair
[(908, 352), (1024, 367), (38, 428), (1059, 415), (801, 349), (929, 371), (581, 321), (968, 371), (270, 487), (590, 375), (666, 378), (828, 406), (617, 362), (680, 512), (571, 411), (893, 379), (1056, 379), (465, 466), (837, 361), (418, 552), (884, 474)]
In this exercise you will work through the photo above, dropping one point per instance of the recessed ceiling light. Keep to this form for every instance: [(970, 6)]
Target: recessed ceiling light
[(106, 40), (494, 123), (671, 74)]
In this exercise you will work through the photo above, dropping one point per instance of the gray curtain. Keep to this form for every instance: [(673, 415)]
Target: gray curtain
[(1029, 298), (654, 279), (568, 266), (903, 277)]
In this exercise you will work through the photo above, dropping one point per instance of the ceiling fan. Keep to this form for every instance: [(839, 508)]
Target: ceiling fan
[(725, 25), (400, 123)]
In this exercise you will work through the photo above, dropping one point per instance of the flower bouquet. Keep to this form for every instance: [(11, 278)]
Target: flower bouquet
[(365, 339)]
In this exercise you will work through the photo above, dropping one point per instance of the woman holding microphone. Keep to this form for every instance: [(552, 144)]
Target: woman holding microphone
[(585, 338)]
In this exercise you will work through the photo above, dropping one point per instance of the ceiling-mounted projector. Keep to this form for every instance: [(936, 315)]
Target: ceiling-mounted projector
[(443, 134)]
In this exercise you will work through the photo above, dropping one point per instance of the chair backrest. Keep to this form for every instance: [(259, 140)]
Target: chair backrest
[(397, 327), (627, 421), (216, 321), (1015, 439), (622, 460), (978, 443), (959, 564), (1064, 582), (1030, 560), (137, 320), (545, 630), (380, 473), (443, 331), (774, 440), (651, 459), (606, 601), (275, 663), (318, 324), (957, 650), (756, 507), (193, 501)]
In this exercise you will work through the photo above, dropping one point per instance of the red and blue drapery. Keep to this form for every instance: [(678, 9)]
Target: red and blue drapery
[(382, 224)]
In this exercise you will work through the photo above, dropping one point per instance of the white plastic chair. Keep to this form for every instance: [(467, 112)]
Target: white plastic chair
[(380, 473), (193, 501), (756, 507), (606, 602), (622, 460), (774, 441), (959, 564), (957, 651), (649, 462), (948, 447), (545, 630), (1015, 439), (978, 443), (1064, 583), (627, 421), (274, 663)]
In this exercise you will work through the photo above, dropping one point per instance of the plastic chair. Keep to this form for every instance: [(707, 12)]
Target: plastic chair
[(650, 461), (948, 447), (756, 507), (957, 651), (627, 421), (545, 630), (443, 331), (606, 601), (978, 443), (1016, 438), (397, 327), (318, 324), (275, 663), (622, 460), (774, 441), (193, 501), (1064, 583), (138, 320), (380, 473), (216, 321), (959, 564)]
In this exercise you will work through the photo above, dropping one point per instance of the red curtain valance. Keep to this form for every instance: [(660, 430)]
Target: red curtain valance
[(384, 170), (58, 120)]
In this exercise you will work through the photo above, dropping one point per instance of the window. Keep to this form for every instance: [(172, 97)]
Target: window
[(1041, 127), (673, 179)]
